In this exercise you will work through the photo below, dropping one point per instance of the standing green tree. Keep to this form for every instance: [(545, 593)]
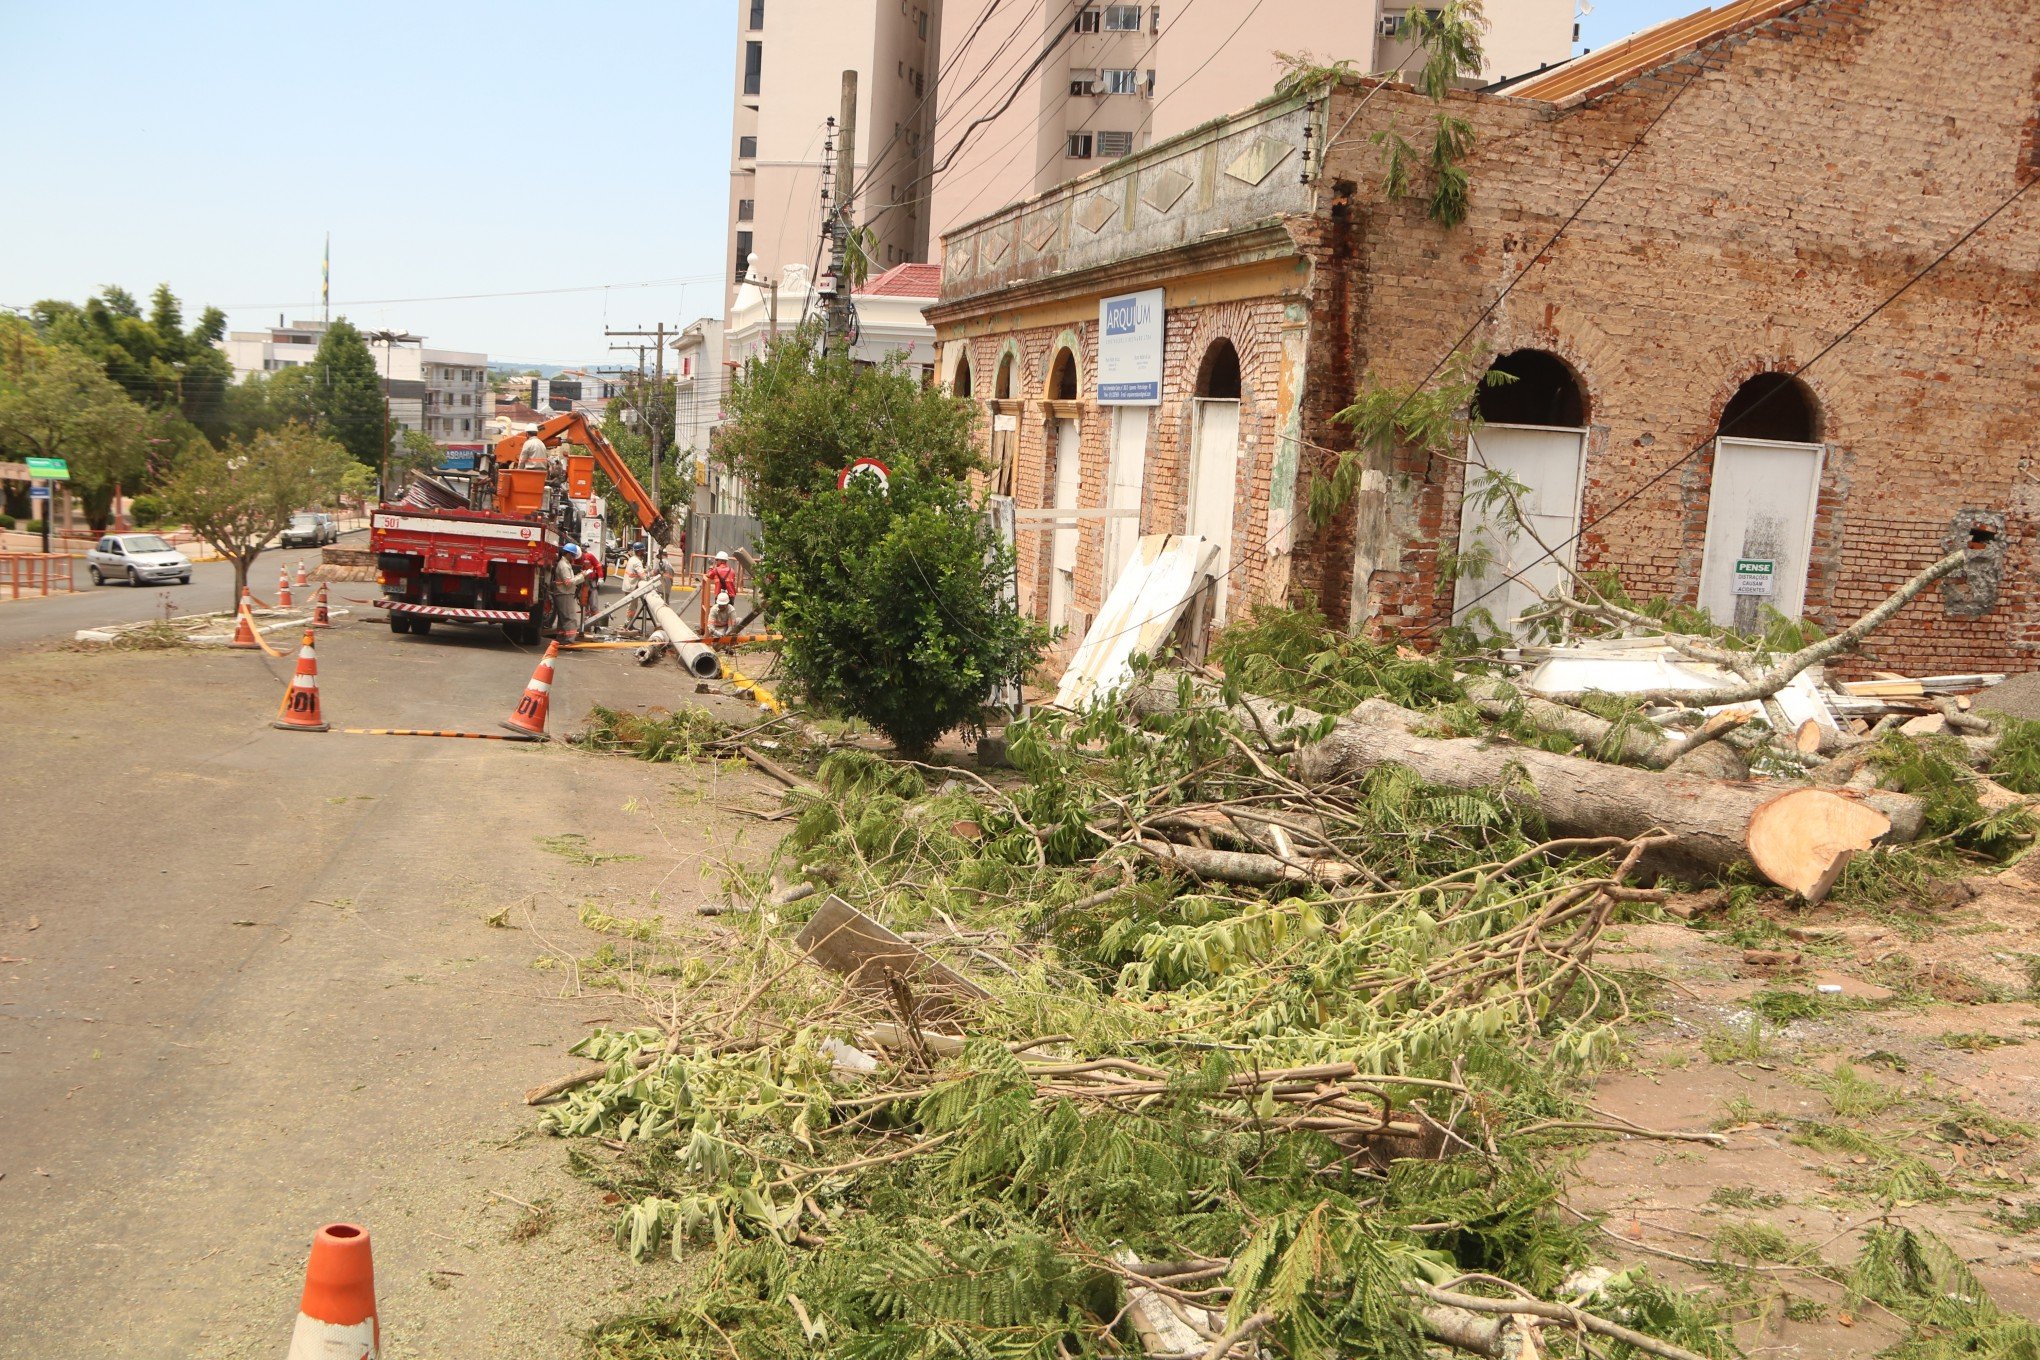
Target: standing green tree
[(241, 495), (154, 359), (55, 402), (347, 392), (893, 603)]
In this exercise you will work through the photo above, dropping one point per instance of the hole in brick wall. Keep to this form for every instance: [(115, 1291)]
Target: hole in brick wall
[(1545, 391), (1772, 406), (961, 386), (1062, 376), (1002, 386), (1219, 374), (1981, 536)]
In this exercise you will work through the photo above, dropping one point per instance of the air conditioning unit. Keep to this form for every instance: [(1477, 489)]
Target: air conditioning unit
[(1390, 24)]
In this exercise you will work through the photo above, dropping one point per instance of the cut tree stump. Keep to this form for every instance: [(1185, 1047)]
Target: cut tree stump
[(1802, 840)]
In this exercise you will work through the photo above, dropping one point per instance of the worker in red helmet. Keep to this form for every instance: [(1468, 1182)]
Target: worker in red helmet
[(720, 579)]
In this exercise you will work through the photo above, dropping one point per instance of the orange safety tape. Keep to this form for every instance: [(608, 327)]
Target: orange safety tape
[(429, 732), (258, 635)]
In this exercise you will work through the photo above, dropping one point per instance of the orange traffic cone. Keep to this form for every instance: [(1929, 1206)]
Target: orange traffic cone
[(301, 581), (336, 1315), (283, 600), (320, 617), (300, 711), (531, 709), (244, 624)]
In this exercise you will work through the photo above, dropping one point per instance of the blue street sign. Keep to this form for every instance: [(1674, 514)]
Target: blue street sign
[(38, 493)]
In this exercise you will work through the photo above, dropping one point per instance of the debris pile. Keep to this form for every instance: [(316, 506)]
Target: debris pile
[(1256, 1020)]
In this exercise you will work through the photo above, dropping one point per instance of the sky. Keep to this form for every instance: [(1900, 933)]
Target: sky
[(575, 153)]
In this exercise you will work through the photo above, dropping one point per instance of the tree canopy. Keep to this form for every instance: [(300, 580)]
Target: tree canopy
[(154, 359), (56, 402), (346, 392), (240, 495)]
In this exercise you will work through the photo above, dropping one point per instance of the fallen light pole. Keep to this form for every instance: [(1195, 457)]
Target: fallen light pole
[(685, 642)]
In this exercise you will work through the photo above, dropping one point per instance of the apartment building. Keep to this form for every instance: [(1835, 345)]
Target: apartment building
[(441, 393), (1038, 92), (790, 58)]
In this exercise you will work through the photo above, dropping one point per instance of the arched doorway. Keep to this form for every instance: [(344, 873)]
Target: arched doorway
[(959, 386), (1065, 442), (1519, 509), (1761, 502), (1005, 427), (1002, 385), (1213, 493)]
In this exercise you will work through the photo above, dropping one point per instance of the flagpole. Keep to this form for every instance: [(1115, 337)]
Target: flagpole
[(326, 281)]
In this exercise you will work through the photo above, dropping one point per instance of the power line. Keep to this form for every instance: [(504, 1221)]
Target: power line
[(678, 280)]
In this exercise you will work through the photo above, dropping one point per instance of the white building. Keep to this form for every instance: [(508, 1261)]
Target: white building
[(442, 393)]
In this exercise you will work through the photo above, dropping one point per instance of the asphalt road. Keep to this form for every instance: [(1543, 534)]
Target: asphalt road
[(254, 981), (32, 619)]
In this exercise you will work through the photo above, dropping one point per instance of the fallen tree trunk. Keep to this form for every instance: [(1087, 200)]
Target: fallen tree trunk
[(1709, 818)]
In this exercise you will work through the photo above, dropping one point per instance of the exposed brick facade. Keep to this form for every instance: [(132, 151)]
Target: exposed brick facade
[(1767, 191), (1798, 174)]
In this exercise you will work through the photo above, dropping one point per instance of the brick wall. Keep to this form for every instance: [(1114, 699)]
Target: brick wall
[(1253, 327), (1797, 174)]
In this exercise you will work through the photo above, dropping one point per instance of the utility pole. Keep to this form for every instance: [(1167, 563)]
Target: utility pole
[(387, 339), (838, 324), (658, 348)]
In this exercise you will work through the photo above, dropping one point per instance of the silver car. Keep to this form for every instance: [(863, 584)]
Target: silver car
[(139, 559), (309, 530)]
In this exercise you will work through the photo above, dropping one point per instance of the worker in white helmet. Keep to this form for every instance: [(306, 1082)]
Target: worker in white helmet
[(718, 586), (532, 453), (566, 591)]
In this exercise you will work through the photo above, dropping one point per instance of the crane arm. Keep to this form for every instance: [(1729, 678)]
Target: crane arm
[(574, 428)]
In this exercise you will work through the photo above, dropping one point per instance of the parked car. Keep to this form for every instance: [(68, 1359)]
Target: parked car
[(139, 559), (309, 530)]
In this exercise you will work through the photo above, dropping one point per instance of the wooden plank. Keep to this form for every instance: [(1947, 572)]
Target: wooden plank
[(845, 941)]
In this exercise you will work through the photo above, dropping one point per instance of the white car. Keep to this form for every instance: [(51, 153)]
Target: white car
[(139, 559)]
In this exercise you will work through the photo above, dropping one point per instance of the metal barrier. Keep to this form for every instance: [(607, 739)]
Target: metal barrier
[(36, 573)]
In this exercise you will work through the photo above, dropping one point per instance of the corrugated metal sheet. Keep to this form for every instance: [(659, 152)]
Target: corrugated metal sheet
[(1150, 595), (1645, 51)]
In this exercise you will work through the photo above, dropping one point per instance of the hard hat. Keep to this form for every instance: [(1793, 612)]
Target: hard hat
[(722, 557), (572, 550)]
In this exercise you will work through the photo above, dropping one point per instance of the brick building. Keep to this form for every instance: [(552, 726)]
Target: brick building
[(1732, 195)]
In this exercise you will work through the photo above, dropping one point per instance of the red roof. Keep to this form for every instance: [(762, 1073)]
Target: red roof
[(905, 280)]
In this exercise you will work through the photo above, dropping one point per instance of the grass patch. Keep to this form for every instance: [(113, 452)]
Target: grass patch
[(573, 846), (1852, 1096), (657, 734), (1744, 1043), (1745, 1197)]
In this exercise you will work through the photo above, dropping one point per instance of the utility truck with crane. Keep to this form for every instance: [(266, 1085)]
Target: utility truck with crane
[(478, 547)]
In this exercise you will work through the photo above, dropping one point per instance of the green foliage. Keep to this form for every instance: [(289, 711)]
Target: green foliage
[(56, 402), (238, 497), (1646, 1304), (2015, 763), (1388, 418), (893, 604), (655, 735), (1937, 768), (345, 389), (1296, 655), (160, 365), (1919, 1278), (148, 509), (1449, 39)]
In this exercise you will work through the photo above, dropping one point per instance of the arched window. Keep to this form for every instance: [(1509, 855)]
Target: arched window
[(959, 386), (1772, 406), (1002, 385), (1219, 374), (1062, 376), (1545, 391)]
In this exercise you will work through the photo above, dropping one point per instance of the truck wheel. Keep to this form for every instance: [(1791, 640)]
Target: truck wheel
[(421, 626), (400, 623)]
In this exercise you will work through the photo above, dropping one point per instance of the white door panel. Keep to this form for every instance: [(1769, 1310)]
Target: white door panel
[(1214, 478), (1760, 509), (1123, 488), (1062, 559), (1549, 463)]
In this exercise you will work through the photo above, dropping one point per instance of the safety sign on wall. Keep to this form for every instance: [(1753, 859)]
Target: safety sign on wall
[(1756, 576), (1130, 349)]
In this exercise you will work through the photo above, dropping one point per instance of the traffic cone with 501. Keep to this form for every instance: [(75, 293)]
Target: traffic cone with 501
[(300, 711), (244, 624), (321, 618), (336, 1316), (531, 709)]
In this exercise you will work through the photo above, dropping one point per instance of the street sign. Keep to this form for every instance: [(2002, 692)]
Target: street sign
[(1130, 349), (38, 493), (1756, 576), (49, 469)]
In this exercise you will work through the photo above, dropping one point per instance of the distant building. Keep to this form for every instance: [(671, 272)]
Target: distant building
[(440, 393)]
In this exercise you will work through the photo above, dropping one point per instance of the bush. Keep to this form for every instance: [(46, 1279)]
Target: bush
[(6, 520), (146, 510), (893, 605), (34, 526)]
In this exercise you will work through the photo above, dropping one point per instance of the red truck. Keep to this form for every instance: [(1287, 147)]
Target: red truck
[(478, 547)]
